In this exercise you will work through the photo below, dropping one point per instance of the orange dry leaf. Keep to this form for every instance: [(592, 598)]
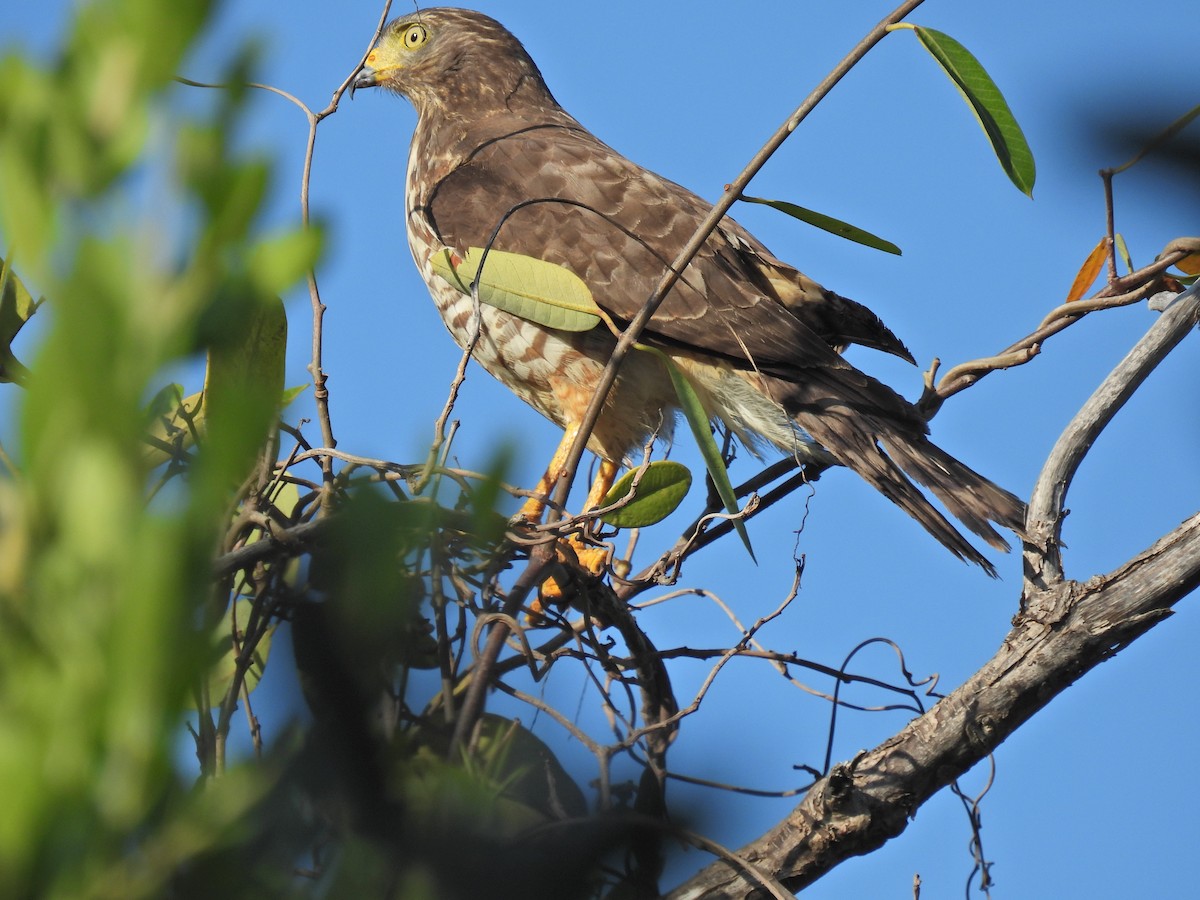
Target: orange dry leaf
[(1088, 271), (1189, 264)]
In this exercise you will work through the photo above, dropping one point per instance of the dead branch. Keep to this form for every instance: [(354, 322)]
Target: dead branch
[(1043, 561), (1066, 631)]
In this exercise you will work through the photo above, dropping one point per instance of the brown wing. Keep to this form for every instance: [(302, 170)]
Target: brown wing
[(557, 193)]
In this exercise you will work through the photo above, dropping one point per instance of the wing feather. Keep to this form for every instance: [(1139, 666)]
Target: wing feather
[(557, 193)]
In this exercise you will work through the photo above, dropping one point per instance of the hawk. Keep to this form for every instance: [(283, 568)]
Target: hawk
[(496, 162)]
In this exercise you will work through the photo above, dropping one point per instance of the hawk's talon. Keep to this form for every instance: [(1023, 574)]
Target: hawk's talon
[(574, 560)]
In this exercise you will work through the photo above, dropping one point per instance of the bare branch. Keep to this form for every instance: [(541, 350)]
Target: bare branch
[(1043, 561), (1065, 631)]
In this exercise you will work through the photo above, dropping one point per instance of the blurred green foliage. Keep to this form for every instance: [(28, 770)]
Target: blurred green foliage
[(102, 593), (114, 629)]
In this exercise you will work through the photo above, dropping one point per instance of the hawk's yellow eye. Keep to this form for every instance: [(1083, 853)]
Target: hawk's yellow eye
[(415, 36)]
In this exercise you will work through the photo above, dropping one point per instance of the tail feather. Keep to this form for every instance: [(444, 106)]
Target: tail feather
[(887, 451), (972, 499), (859, 450)]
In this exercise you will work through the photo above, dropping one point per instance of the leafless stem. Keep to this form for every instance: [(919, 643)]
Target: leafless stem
[(315, 367), (755, 874), (746, 639)]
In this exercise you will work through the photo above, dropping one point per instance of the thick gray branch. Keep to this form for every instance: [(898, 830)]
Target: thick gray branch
[(1043, 562), (1066, 631)]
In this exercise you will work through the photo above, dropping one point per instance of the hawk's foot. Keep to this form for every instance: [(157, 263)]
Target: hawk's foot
[(578, 565)]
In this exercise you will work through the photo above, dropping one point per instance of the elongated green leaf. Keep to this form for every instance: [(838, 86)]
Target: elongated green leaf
[(986, 101), (244, 384), (660, 490), (250, 368), (828, 223), (533, 289), (697, 419), (1123, 250), (16, 307), (255, 360)]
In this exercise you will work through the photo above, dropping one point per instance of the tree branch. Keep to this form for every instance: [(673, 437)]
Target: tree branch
[(1043, 560), (1066, 631), (1118, 292)]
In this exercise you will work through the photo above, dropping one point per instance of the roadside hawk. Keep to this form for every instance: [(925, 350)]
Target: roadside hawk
[(496, 162)]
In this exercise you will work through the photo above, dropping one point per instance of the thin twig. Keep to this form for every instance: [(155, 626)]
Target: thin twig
[(1121, 291), (755, 873), (315, 368)]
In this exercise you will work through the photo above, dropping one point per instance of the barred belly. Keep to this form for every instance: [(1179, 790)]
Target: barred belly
[(556, 372)]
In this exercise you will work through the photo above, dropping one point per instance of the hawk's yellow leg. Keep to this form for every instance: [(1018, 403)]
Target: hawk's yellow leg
[(535, 506), (577, 553)]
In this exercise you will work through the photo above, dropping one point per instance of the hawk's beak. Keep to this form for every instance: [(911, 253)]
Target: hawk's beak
[(366, 78)]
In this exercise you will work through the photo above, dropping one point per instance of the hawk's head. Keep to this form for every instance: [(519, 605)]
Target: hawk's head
[(453, 59)]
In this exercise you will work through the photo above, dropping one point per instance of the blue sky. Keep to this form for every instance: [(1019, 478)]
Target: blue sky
[(691, 90)]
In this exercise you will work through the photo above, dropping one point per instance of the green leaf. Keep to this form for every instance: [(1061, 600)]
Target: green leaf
[(17, 306), (536, 290), (248, 372), (291, 394), (697, 419), (510, 782), (514, 759), (661, 487), (828, 223), (229, 632), (176, 422), (280, 261), (244, 383), (254, 360), (986, 101), (1123, 250)]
